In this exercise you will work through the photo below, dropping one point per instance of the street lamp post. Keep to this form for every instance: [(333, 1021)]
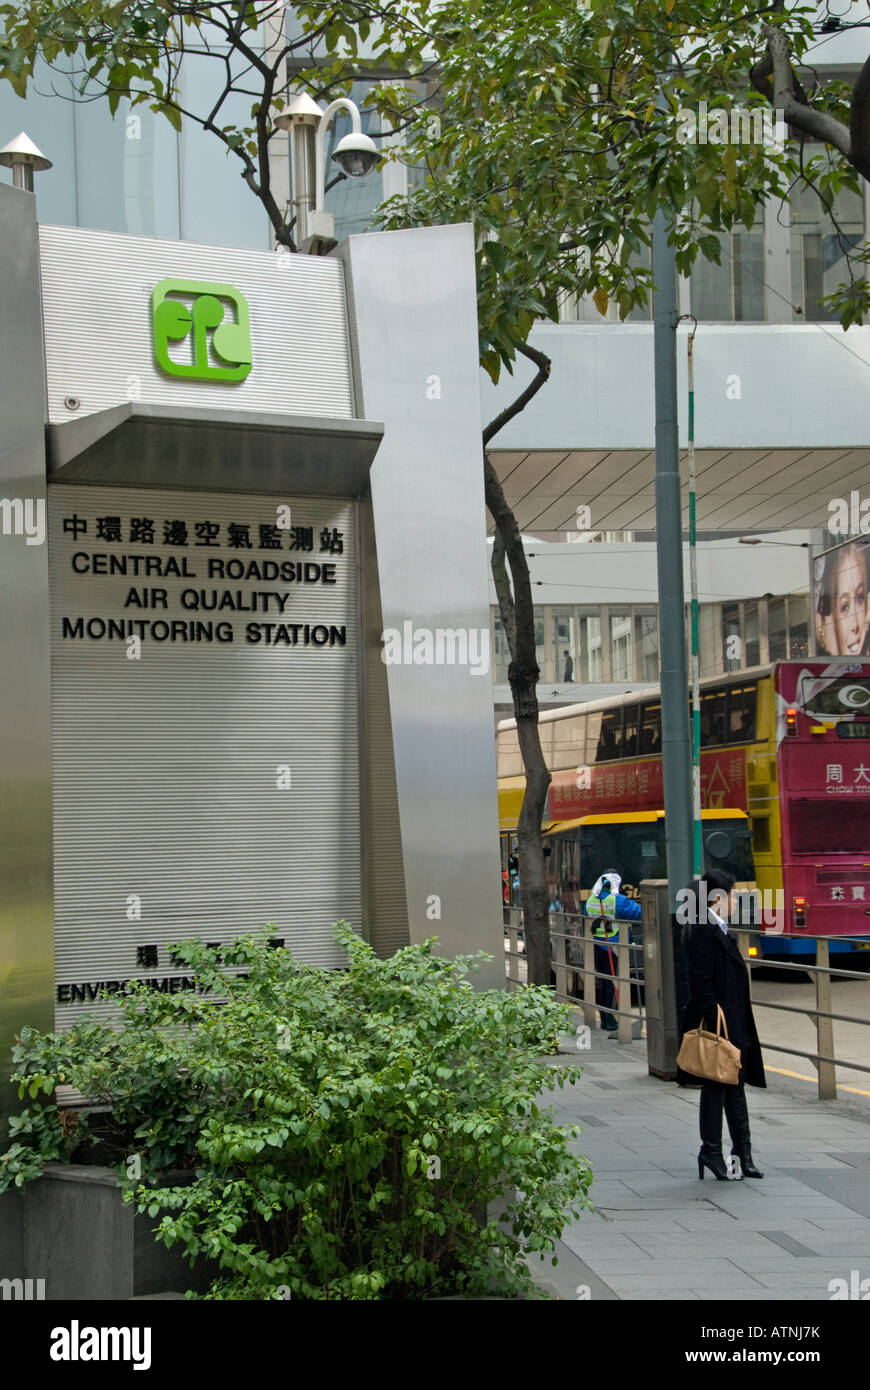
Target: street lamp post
[(676, 746), (356, 154)]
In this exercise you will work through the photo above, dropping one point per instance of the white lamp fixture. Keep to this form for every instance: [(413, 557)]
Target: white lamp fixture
[(22, 157), (356, 154)]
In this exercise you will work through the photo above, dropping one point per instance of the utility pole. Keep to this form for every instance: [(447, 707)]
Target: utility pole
[(676, 758), (697, 826)]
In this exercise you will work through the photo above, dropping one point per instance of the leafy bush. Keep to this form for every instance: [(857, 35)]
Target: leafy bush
[(343, 1128)]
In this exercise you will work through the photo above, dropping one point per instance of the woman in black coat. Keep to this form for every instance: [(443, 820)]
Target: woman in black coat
[(718, 975)]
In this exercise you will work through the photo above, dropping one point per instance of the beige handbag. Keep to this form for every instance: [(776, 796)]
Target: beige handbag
[(710, 1055)]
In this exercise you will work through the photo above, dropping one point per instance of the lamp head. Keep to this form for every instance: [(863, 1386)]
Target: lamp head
[(22, 150), (300, 109), (356, 154)]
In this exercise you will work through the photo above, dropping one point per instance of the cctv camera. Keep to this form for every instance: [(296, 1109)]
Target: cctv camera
[(356, 154)]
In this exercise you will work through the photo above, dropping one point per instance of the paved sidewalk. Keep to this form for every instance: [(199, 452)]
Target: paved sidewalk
[(659, 1233)]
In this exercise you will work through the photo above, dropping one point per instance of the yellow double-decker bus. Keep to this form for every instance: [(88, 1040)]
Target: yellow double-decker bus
[(770, 816)]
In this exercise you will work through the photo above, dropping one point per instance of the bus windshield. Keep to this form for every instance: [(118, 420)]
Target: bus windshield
[(637, 850), (837, 695)]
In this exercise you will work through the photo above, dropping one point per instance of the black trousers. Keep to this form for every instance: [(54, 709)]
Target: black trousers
[(731, 1100), (604, 990)]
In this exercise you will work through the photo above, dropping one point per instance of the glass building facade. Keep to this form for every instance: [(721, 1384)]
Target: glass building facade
[(609, 644)]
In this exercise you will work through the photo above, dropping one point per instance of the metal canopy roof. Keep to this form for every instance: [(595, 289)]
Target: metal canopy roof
[(137, 445), (737, 489)]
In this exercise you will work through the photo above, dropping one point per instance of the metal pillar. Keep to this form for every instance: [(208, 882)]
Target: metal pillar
[(676, 759), (302, 178)]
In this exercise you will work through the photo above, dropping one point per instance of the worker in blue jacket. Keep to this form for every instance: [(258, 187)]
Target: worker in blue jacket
[(610, 907)]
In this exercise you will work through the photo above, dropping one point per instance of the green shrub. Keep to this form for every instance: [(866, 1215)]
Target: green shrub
[(343, 1127)]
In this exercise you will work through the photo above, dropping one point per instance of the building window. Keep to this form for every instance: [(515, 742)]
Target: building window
[(733, 291), (818, 250), (798, 629), (590, 653), (564, 645), (776, 630), (646, 643), (730, 630), (620, 644), (751, 639), (708, 639), (582, 309)]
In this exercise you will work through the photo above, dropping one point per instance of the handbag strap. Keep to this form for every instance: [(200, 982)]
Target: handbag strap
[(720, 1020)]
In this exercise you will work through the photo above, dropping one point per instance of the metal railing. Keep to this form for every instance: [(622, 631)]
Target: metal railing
[(823, 1059), (572, 951), (572, 954)]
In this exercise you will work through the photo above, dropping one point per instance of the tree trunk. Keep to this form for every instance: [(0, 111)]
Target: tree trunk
[(516, 605)]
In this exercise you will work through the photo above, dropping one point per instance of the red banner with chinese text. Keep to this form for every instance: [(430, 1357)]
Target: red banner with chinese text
[(636, 785)]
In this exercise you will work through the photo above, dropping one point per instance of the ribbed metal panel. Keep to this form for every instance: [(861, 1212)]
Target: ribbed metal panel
[(165, 768), (96, 298)]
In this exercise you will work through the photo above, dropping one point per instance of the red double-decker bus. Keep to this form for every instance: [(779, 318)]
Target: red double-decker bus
[(789, 744), (822, 731)]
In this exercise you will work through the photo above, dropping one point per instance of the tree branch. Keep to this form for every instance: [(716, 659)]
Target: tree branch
[(502, 586), (543, 364), (859, 121)]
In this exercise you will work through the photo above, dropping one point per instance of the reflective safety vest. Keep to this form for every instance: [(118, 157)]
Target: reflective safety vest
[(606, 909)]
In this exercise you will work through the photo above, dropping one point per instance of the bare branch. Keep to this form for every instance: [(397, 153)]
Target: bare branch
[(543, 364)]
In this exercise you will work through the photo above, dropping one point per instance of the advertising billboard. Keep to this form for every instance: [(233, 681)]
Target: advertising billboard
[(839, 596)]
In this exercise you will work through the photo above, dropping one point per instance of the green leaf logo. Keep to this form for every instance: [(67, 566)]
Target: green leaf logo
[(208, 327)]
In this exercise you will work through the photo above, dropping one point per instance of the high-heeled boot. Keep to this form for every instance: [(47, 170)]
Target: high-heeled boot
[(737, 1115), (710, 1115)]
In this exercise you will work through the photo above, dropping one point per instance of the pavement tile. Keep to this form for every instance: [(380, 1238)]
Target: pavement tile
[(786, 1282), (667, 1279), (771, 1264), (764, 1295), (662, 1295), (656, 1235)]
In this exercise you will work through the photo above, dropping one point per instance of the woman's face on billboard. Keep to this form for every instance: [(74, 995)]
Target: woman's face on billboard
[(850, 601)]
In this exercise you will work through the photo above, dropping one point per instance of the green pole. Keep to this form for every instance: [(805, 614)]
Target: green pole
[(697, 837)]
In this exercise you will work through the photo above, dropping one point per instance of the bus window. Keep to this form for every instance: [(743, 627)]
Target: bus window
[(610, 735), (712, 718), (509, 760), (839, 695), (761, 834), (545, 734), (741, 713), (593, 734), (629, 732), (651, 729), (569, 741), (637, 851)]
